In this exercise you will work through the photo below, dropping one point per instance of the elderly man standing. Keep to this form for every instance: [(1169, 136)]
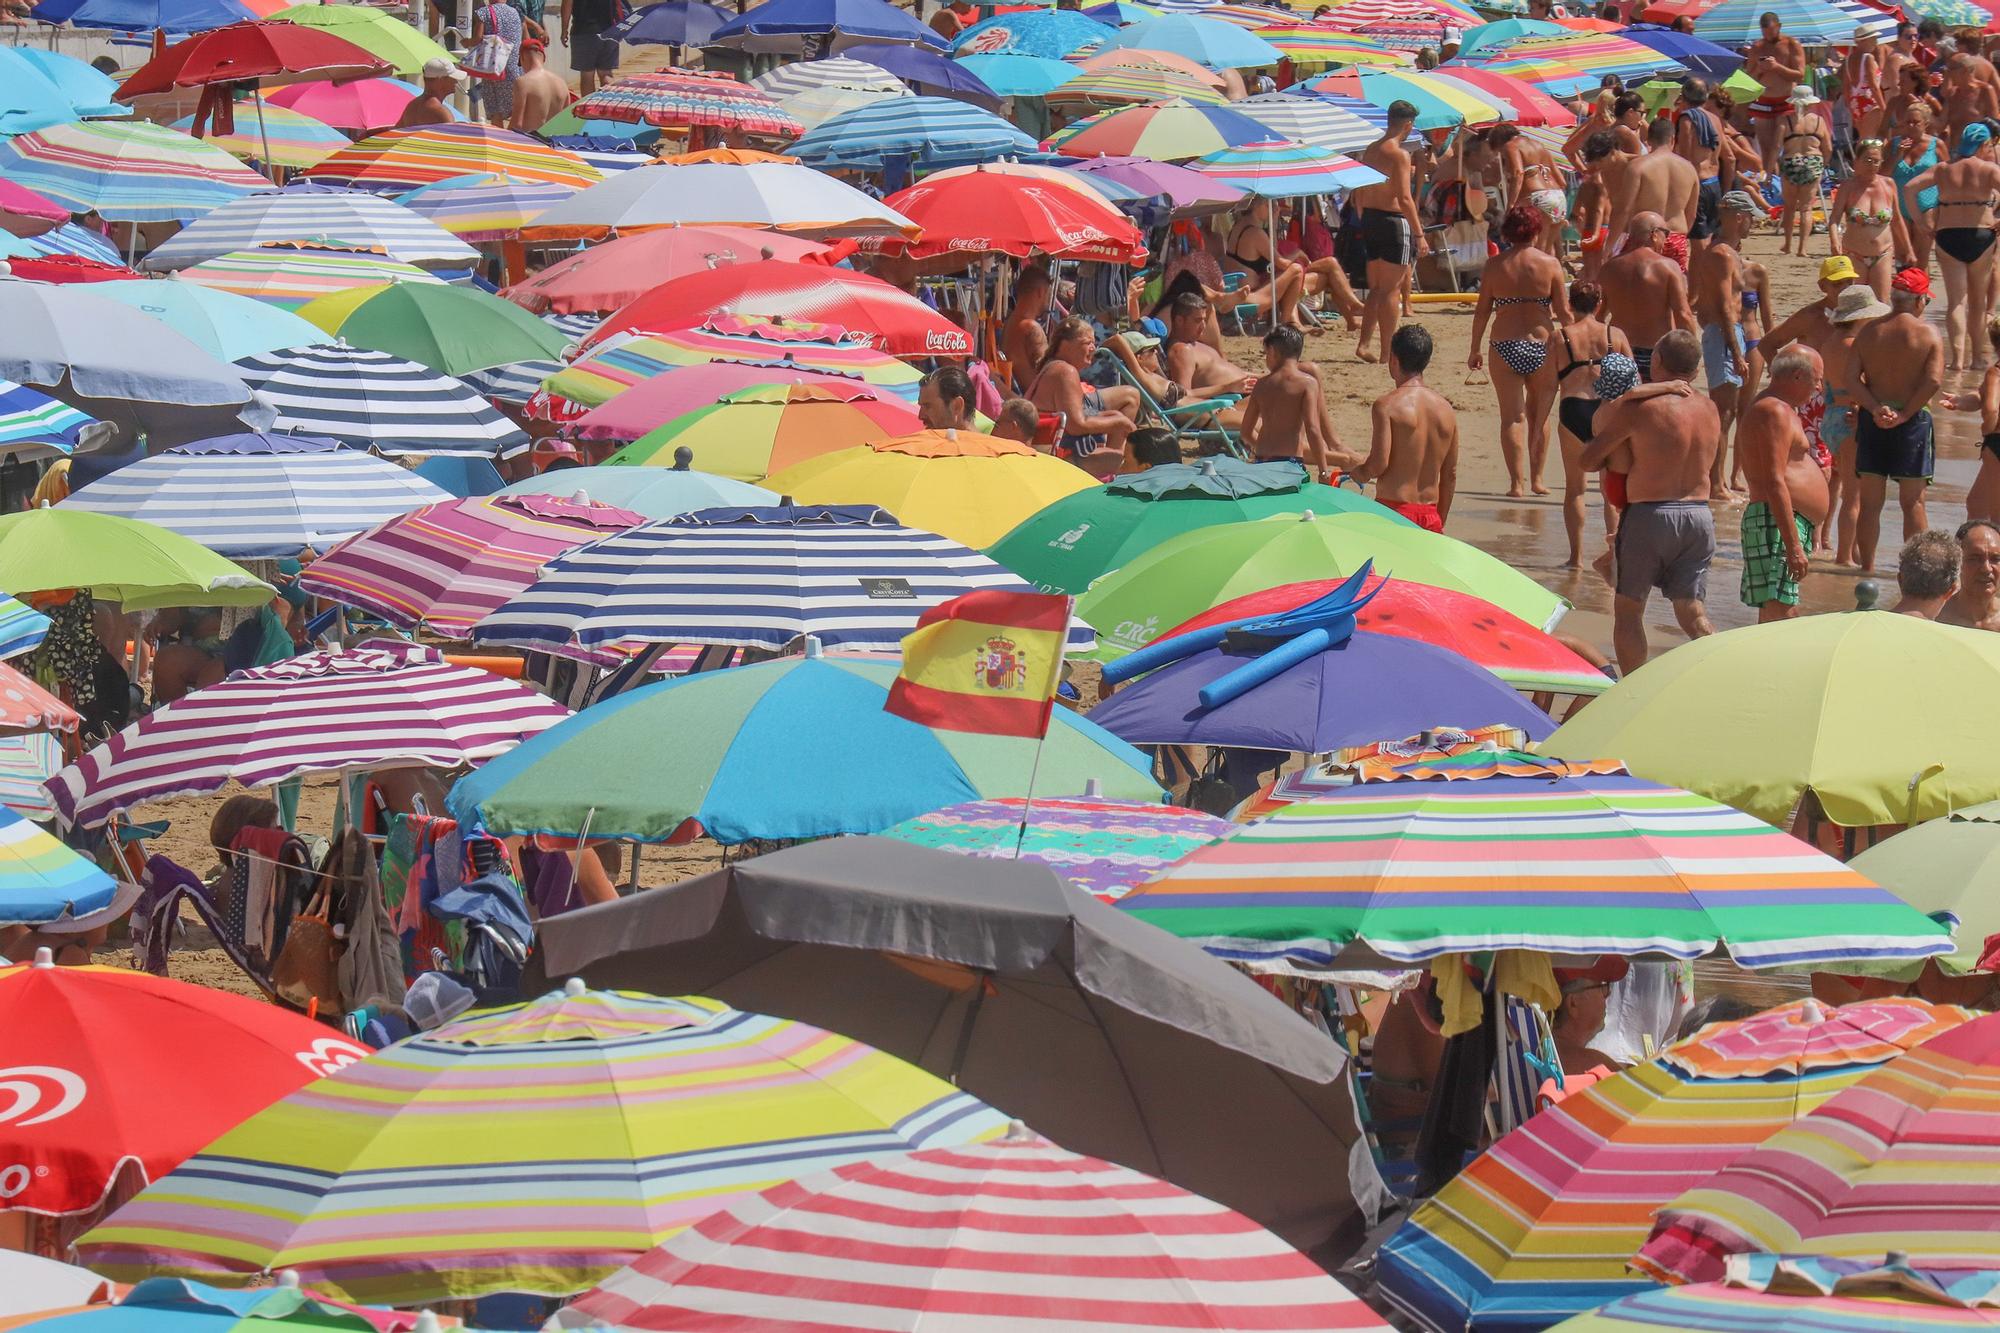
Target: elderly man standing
[(1898, 367), (441, 79), (1976, 604), (1788, 491)]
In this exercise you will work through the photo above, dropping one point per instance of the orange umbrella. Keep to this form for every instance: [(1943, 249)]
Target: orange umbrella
[(26, 706)]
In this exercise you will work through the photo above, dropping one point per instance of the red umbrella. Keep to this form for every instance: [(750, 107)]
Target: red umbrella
[(894, 321), (68, 268), (247, 53), (25, 213), (1016, 211), (1531, 105), (607, 276), (105, 1068)]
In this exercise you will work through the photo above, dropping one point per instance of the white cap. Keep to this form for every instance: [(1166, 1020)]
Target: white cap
[(437, 67)]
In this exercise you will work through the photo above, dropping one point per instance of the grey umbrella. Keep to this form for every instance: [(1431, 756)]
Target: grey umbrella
[(1104, 1033)]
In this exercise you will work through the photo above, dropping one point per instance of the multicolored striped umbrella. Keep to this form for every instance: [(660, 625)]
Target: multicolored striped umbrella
[(1170, 131), (126, 171), (1542, 1225), (1734, 23), (446, 566), (680, 99), (22, 628), (1357, 15), (1810, 1292), (1277, 169), (1307, 44), (1123, 87), (33, 424), (862, 1247), (289, 274), (28, 759), (398, 160), (1439, 103), (750, 433), (290, 138), (538, 1147), (379, 705), (1557, 864), (1105, 848), (925, 132), (1532, 108), (196, 1307), (1906, 1161), (484, 207), (41, 880), (1554, 64)]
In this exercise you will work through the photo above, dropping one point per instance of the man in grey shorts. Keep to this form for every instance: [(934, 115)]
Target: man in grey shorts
[(592, 54), (1664, 437)]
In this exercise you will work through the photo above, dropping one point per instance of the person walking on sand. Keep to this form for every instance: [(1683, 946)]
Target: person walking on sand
[(1698, 139), (1976, 604), (1281, 418), (1391, 234), (1899, 366), (1789, 499), (1645, 293), (1666, 537), (1926, 574), (1413, 438), (1660, 181), (1584, 345), (1867, 225), (1962, 230), (1982, 498), (1777, 63), (539, 93), (1716, 276), (1521, 292)]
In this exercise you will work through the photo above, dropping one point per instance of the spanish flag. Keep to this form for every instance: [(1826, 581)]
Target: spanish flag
[(987, 661)]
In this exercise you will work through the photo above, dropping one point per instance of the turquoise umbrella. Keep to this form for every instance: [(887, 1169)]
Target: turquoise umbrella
[(1738, 23), (227, 326), (799, 747), (1208, 42), (1012, 75), (1489, 38)]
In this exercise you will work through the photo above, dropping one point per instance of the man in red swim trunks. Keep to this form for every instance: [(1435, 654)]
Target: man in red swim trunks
[(1413, 444)]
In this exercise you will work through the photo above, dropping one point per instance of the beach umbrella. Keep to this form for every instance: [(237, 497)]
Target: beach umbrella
[(675, 1107), (223, 324), (1186, 575), (1013, 211), (365, 104), (67, 239), (249, 53), (751, 432), (1758, 716), (484, 207), (778, 195), (1357, 15), (1278, 169), (25, 265), (461, 476), (1440, 104), (1490, 39), (453, 330), (301, 214), (28, 759), (681, 99), (147, 16), (26, 706), (1531, 106), (258, 495), (1592, 54), (1851, 1296), (692, 395), (24, 213), (1416, 868), (1317, 122), (126, 172), (401, 45), (382, 704), (119, 560), (289, 275), (1706, 58), (851, 576), (21, 628), (1951, 13), (1187, 193), (651, 492), (804, 76), (93, 1047), (1554, 76), (443, 567), (1069, 545), (1734, 22), (402, 159), (896, 322), (42, 881), (1205, 41), (34, 425), (1482, 633), (1048, 33), (1117, 86), (928, 73), (1541, 1225), (671, 23), (1117, 13), (1132, 1046), (600, 378), (1012, 74), (607, 276), (370, 399), (279, 137), (1170, 131), (815, 108), (196, 1307), (1902, 1162), (30, 1284), (1306, 44), (47, 88), (864, 1243), (1105, 848), (822, 26), (921, 133), (750, 749), (969, 487), (1946, 869)]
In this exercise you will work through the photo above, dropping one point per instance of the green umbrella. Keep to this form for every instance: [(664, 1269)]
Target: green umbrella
[(1187, 575), (453, 330), (119, 560), (1068, 545), (371, 30), (1949, 865)]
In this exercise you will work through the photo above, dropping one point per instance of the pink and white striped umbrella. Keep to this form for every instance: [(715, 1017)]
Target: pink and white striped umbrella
[(448, 565), (1016, 1234), (384, 704)]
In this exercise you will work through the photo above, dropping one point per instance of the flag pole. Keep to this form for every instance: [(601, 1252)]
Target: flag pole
[(1035, 765)]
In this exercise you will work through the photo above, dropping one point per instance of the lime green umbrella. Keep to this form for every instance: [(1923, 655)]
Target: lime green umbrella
[(1881, 716), (453, 330), (1187, 575), (1946, 866), (371, 30), (120, 560), (1068, 545)]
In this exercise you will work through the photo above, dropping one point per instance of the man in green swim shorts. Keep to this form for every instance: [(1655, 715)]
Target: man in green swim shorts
[(1788, 490)]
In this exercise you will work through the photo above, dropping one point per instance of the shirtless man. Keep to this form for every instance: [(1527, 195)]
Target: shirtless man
[(1778, 63), (1200, 370), (1976, 604), (1899, 363), (1659, 182), (1413, 438), (1968, 95), (442, 78), (1529, 175), (1390, 230), (945, 398), (1024, 341), (1666, 536), (1789, 499), (1645, 294), (1926, 575), (1715, 273), (539, 93), (1281, 418), (1698, 139)]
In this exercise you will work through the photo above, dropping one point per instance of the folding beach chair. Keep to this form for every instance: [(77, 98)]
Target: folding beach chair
[(1194, 421)]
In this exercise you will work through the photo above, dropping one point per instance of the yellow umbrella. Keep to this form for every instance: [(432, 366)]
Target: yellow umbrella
[(971, 488)]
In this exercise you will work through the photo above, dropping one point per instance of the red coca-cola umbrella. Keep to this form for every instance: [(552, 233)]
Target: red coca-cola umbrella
[(249, 53), (896, 322), (1017, 211)]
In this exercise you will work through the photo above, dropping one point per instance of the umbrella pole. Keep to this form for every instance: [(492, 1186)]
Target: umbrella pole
[(1271, 234), (263, 134)]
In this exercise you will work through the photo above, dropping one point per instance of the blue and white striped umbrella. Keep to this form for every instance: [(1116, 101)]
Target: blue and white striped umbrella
[(250, 495), (576, 326), (1738, 23), (1868, 19), (804, 76), (924, 132), (849, 574), (514, 384), (605, 153), (304, 212), (72, 239), (32, 424), (22, 628), (370, 399), (1315, 121)]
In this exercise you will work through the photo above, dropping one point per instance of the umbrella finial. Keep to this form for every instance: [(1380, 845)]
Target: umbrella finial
[(1018, 1132), (1208, 467), (1306, 516), (1813, 1012), (288, 1277), (813, 647), (44, 957), (1093, 788), (426, 1323), (574, 988), (683, 459)]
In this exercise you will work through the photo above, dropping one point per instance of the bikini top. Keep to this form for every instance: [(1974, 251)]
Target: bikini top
[(1751, 299), (1868, 216), (1577, 362)]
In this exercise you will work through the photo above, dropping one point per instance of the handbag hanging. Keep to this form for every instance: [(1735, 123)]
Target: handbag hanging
[(307, 969)]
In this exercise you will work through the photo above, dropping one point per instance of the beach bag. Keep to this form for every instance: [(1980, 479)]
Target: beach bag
[(488, 58), (308, 967)]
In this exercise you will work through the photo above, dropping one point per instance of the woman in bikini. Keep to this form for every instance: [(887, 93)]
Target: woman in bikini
[(1094, 419), (1803, 148), (1867, 226), (1912, 152), (1967, 187), (1521, 292), (1582, 347), (1249, 250)]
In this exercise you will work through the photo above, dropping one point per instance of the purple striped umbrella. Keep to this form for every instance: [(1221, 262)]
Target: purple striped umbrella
[(384, 704)]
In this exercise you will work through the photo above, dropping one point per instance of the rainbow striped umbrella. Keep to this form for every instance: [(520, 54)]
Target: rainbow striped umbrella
[(292, 138), (398, 160), (679, 99), (28, 759), (1121, 87), (1439, 102), (1548, 61), (1280, 169), (538, 1147), (749, 433), (1410, 34), (1907, 1160), (288, 274), (446, 566), (32, 424), (1543, 1223), (1170, 131), (1563, 863), (1318, 44), (1824, 1295), (126, 171), (42, 880), (484, 207), (1555, 77)]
